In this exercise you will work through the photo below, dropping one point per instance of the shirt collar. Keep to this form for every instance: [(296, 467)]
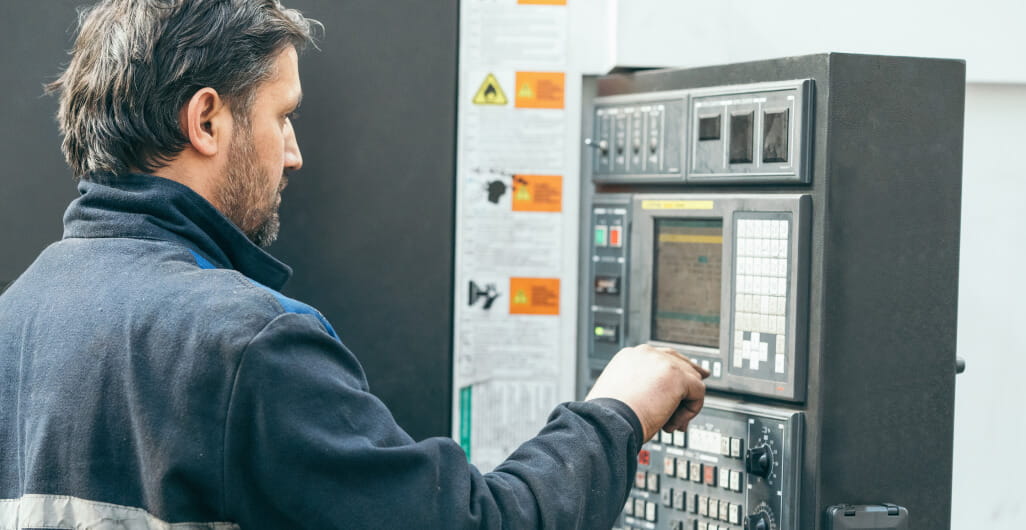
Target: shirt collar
[(150, 207)]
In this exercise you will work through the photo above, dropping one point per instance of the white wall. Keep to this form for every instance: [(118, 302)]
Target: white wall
[(987, 34), (989, 418)]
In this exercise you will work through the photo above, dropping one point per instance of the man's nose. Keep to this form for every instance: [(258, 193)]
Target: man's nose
[(293, 157)]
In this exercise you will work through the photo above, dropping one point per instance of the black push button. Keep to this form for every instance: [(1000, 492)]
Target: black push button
[(742, 138), (607, 285), (774, 136)]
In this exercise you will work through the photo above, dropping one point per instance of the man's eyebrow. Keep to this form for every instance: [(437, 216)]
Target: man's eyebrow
[(299, 100)]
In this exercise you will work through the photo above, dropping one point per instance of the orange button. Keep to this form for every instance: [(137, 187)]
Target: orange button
[(614, 236)]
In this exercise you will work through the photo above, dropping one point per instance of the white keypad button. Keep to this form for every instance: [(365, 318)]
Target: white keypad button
[(735, 481)]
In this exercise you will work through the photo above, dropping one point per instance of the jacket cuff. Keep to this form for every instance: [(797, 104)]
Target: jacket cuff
[(628, 414)]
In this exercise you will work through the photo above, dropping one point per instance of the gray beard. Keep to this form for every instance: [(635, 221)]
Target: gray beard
[(266, 233)]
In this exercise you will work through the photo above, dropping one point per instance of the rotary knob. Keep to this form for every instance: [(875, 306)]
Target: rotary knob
[(759, 460), (759, 521)]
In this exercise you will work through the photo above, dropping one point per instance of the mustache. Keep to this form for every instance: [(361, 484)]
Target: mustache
[(284, 182)]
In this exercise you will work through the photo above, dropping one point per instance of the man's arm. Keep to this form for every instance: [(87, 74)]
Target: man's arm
[(307, 445)]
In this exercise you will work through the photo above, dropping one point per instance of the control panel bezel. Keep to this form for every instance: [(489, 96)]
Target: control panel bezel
[(676, 143), (795, 96), (649, 207), (679, 137)]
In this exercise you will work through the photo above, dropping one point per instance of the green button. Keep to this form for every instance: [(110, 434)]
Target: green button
[(601, 236)]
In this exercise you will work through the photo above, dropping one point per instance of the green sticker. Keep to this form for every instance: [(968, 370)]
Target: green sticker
[(465, 404)]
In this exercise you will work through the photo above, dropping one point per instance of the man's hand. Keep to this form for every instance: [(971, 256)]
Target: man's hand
[(663, 388)]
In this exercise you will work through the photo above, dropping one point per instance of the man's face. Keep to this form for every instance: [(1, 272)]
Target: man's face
[(261, 152)]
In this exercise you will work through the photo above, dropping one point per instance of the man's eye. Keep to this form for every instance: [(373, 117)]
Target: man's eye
[(293, 116)]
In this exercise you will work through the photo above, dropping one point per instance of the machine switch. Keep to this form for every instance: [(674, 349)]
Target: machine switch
[(616, 236), (601, 236), (759, 461), (607, 284), (758, 522), (607, 333)]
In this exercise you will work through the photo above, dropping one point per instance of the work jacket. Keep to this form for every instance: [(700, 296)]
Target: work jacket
[(152, 373)]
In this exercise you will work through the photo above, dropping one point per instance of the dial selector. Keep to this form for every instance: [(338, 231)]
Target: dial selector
[(759, 460), (761, 519), (758, 522)]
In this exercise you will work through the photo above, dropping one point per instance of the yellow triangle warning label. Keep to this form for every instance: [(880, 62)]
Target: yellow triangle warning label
[(490, 93)]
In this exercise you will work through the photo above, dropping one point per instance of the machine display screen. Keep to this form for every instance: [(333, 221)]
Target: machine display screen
[(686, 281)]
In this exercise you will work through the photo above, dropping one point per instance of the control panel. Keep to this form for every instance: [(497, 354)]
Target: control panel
[(722, 279), (755, 133), (736, 468), (640, 138), (751, 133), (607, 323), (775, 235)]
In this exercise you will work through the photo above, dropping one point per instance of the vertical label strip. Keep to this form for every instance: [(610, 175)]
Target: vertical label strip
[(465, 415)]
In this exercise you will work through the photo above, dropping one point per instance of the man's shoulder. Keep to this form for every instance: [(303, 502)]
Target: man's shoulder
[(243, 294)]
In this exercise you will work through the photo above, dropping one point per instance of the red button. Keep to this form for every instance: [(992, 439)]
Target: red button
[(614, 236), (710, 475), (644, 458)]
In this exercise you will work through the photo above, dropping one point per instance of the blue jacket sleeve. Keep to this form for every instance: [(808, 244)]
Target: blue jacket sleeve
[(308, 446)]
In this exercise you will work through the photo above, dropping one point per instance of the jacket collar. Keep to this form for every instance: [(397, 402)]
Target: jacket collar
[(149, 207)]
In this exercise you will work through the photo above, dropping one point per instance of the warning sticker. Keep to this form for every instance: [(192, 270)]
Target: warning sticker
[(537, 193), (542, 2), (534, 296), (540, 90), (490, 93)]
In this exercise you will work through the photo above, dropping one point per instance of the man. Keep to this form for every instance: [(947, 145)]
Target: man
[(152, 374)]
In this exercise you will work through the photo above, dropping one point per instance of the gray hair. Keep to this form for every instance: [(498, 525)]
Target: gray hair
[(136, 63)]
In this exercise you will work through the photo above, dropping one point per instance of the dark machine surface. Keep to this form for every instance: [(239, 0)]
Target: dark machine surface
[(369, 233), (883, 177)]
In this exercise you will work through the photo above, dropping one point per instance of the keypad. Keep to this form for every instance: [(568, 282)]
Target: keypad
[(697, 483), (760, 294)]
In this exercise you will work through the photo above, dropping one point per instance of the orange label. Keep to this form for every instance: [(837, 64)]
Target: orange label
[(540, 90), (542, 2), (537, 193), (533, 296)]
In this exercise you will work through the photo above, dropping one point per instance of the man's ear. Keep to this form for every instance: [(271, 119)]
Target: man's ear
[(206, 121)]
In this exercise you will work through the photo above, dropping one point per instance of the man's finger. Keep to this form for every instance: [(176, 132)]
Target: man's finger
[(690, 405), (701, 371)]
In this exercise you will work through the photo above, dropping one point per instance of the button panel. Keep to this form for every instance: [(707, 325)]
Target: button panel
[(750, 134), (704, 484), (638, 139), (760, 321), (740, 134), (608, 276)]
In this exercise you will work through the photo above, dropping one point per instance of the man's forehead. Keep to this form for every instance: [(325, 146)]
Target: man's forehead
[(285, 80)]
